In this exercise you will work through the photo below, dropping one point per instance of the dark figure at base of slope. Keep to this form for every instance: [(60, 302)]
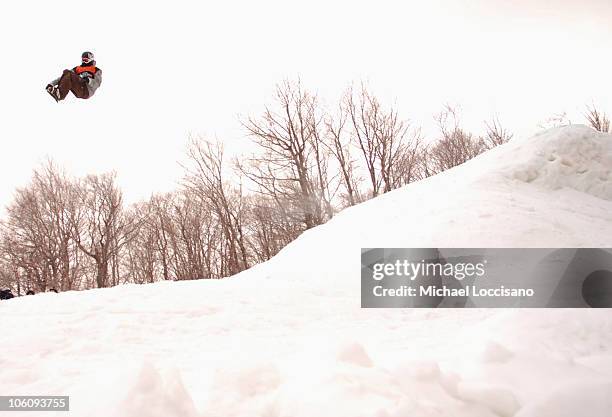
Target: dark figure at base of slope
[(83, 80), (6, 294)]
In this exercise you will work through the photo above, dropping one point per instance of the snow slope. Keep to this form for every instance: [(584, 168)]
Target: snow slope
[(288, 339)]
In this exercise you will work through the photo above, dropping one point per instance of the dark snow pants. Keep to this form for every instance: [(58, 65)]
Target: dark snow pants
[(70, 81)]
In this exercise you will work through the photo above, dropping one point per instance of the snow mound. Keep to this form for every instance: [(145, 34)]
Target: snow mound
[(576, 157), (356, 355), (499, 400), (575, 399), (154, 395)]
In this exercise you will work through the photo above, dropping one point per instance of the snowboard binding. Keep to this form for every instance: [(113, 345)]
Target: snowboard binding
[(54, 92)]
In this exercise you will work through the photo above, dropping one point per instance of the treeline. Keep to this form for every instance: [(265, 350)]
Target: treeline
[(76, 233)]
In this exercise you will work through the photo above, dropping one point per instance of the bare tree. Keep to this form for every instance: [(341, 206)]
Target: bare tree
[(268, 228), (338, 144), (8, 276), (411, 162), (37, 234), (598, 120), (455, 146), (101, 228), (292, 165), (160, 220), (186, 240), (386, 142), (140, 257), (205, 178), (363, 113), (496, 134)]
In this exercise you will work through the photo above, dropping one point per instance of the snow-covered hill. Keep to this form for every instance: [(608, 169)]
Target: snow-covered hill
[(288, 338)]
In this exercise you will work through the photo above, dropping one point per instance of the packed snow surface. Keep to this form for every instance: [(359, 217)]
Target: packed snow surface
[(288, 338)]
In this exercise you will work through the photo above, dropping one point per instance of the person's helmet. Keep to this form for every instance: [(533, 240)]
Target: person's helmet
[(87, 57)]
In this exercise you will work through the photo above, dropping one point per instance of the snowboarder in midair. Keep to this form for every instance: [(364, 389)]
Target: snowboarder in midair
[(82, 80)]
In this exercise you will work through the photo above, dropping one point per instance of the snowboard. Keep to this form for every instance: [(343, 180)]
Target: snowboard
[(50, 91)]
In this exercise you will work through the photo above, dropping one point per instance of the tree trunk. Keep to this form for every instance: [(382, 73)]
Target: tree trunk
[(102, 273)]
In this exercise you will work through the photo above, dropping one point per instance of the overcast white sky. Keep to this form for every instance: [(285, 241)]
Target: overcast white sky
[(173, 68)]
